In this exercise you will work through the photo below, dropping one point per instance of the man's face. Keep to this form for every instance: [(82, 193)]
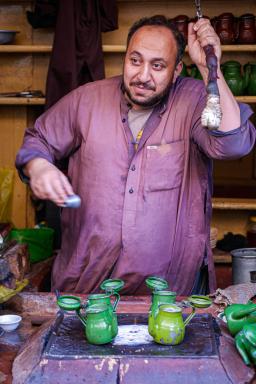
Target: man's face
[(149, 65)]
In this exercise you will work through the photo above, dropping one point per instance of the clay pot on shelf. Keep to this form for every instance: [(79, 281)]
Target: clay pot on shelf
[(246, 29), (233, 76), (250, 78), (225, 27), (181, 22)]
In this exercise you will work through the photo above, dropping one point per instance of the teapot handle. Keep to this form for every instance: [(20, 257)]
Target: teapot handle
[(243, 312), (116, 300), (81, 318), (190, 317)]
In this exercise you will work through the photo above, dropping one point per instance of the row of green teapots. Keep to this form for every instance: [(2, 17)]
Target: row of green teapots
[(98, 315), (239, 84), (165, 321)]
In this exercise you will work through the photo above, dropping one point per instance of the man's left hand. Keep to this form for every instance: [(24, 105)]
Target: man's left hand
[(201, 34)]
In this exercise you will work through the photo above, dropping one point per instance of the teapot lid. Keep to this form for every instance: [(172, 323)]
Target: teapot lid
[(69, 303), (156, 283), (112, 285), (200, 301)]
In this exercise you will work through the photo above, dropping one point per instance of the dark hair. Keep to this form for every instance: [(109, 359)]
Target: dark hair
[(160, 20)]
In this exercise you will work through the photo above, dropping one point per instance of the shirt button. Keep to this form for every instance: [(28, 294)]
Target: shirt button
[(131, 190), (133, 168), (123, 120)]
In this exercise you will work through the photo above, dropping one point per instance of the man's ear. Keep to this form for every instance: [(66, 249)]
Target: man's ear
[(177, 71)]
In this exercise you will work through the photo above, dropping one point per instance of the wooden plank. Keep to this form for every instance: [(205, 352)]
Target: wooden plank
[(118, 48), (22, 101), (234, 204)]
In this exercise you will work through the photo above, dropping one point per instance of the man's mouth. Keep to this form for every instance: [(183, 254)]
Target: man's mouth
[(143, 86)]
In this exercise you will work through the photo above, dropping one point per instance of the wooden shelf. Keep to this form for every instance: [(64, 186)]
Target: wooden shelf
[(22, 100), (107, 48), (233, 204), (41, 100)]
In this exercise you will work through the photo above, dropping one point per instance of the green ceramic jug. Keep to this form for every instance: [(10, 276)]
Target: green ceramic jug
[(250, 78), (233, 76), (98, 324), (104, 298), (238, 315), (158, 298), (169, 324), (245, 342)]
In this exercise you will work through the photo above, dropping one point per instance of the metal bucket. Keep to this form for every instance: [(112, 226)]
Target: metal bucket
[(243, 263)]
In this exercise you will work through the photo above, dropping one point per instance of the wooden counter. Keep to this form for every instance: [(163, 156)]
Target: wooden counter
[(38, 311)]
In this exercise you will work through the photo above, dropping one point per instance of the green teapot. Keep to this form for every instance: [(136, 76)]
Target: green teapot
[(169, 327), (111, 287), (98, 324), (99, 318), (233, 76), (250, 78), (245, 342), (158, 298), (238, 315)]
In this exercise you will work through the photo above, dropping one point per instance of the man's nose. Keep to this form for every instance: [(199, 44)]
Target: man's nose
[(144, 73)]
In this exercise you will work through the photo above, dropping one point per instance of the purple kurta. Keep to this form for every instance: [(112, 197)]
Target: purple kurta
[(144, 213)]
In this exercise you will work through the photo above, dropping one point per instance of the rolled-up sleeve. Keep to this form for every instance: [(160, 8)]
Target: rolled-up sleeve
[(226, 145), (54, 135)]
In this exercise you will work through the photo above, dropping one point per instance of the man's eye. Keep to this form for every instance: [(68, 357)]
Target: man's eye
[(135, 61), (158, 66)]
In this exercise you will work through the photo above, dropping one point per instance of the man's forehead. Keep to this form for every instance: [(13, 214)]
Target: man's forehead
[(152, 37)]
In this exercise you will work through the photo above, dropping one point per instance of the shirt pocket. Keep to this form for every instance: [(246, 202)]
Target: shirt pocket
[(164, 166)]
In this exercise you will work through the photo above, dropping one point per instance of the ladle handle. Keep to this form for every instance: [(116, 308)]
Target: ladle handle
[(190, 317)]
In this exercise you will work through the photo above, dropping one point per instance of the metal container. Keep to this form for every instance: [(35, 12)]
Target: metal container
[(243, 262)]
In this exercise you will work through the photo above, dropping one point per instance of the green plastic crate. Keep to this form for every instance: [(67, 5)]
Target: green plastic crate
[(39, 240)]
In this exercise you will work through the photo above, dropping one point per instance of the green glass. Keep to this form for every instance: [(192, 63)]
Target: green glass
[(156, 283), (238, 315), (233, 76), (169, 324), (112, 285), (69, 303), (250, 78), (158, 298), (200, 301), (98, 324), (104, 298), (245, 342)]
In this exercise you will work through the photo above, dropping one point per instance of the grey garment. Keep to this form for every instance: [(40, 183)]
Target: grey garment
[(137, 120)]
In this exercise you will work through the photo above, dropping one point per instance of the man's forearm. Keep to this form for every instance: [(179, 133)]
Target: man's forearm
[(229, 107)]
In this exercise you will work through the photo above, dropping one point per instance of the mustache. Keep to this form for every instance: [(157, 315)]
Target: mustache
[(145, 85)]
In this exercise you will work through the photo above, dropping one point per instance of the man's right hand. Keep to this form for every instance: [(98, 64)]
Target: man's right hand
[(47, 181)]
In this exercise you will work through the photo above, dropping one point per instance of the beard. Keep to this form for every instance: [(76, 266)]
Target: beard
[(151, 101)]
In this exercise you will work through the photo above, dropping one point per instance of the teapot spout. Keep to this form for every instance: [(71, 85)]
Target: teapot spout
[(244, 312)]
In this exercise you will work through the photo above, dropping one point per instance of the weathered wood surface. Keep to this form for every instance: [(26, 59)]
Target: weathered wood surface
[(28, 341)]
